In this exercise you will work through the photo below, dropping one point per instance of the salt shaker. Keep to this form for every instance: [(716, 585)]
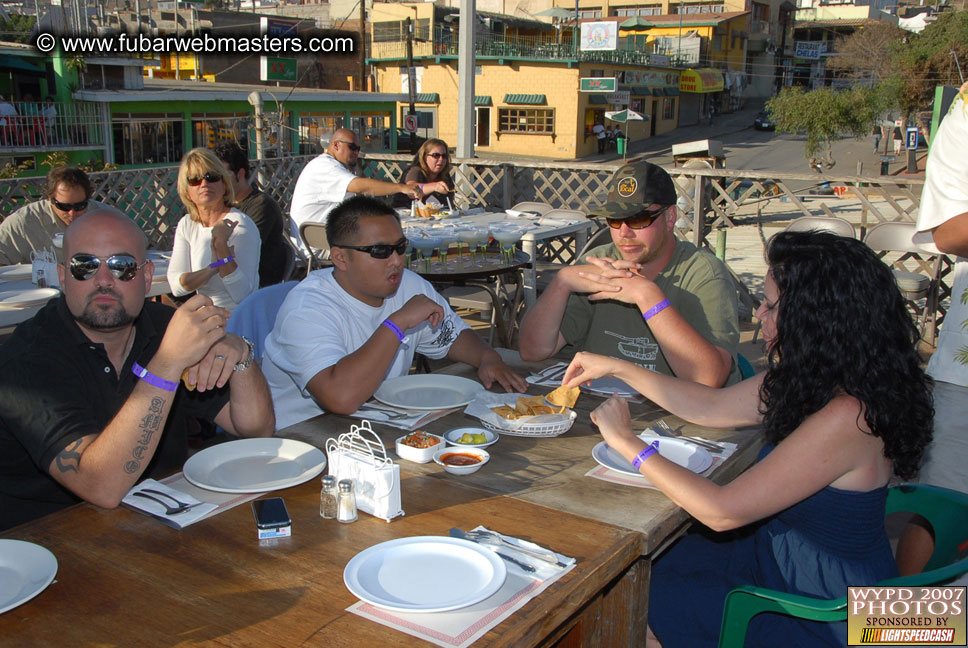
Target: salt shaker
[(347, 502), (328, 498)]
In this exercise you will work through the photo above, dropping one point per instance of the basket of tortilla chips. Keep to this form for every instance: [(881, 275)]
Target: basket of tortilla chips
[(530, 416)]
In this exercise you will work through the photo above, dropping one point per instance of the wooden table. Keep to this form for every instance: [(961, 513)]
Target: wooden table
[(124, 579), (550, 472)]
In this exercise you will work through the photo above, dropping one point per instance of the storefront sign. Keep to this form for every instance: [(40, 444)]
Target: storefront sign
[(808, 49), (621, 97), (597, 84), (702, 80)]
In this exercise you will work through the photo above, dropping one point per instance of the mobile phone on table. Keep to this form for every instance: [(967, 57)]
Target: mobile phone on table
[(270, 513)]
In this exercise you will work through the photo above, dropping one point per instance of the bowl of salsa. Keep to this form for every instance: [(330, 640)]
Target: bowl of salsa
[(461, 461)]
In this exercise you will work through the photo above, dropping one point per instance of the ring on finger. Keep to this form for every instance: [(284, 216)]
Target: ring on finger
[(220, 357)]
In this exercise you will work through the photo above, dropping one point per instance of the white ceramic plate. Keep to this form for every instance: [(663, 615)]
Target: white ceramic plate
[(26, 569), (687, 455), (608, 385), (16, 272), (254, 465), (424, 574), (27, 298), (428, 391), (452, 437)]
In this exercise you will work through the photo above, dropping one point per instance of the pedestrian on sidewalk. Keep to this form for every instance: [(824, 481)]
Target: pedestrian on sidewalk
[(876, 134), (599, 130)]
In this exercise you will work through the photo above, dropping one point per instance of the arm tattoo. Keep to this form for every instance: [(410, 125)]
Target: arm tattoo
[(149, 425), (69, 458)]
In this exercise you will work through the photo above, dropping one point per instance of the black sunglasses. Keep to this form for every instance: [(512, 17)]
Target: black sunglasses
[(122, 266), (437, 155), (353, 147), (380, 250), (210, 177), (66, 207), (639, 221)]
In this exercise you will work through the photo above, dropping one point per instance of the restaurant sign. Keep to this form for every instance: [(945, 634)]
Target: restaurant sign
[(597, 84), (809, 49)]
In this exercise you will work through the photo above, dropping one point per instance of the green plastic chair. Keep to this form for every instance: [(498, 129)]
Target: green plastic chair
[(947, 512)]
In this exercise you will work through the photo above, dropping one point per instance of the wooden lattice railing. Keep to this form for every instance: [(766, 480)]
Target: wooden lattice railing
[(724, 198)]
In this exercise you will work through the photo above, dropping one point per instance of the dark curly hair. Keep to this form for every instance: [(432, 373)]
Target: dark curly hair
[(842, 327)]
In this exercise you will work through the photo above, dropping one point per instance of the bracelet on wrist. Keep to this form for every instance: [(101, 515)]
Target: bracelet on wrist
[(396, 330), (152, 379), (647, 452), (652, 312), (221, 262)]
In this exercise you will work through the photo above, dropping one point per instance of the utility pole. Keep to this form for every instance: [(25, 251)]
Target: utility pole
[(465, 79), (411, 82), (363, 46)]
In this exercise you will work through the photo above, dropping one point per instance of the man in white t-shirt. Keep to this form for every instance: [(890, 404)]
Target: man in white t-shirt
[(943, 223), (329, 179), (344, 330)]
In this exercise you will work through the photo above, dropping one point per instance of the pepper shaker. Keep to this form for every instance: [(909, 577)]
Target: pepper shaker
[(347, 502), (328, 498)]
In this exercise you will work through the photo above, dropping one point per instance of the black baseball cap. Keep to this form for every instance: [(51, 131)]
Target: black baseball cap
[(636, 186)]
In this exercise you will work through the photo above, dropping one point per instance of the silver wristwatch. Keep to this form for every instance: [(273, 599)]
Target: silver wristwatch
[(242, 366)]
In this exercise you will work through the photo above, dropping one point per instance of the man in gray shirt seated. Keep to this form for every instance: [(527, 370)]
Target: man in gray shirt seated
[(647, 297)]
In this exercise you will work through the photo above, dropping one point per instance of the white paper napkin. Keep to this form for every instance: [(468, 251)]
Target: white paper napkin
[(460, 628), (399, 418), (521, 214), (556, 371), (544, 221), (156, 510)]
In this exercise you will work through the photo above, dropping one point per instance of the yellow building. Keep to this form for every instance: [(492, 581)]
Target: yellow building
[(529, 98)]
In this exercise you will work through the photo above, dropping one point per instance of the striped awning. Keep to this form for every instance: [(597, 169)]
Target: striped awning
[(428, 97), (641, 91), (597, 100), (482, 100), (525, 99)]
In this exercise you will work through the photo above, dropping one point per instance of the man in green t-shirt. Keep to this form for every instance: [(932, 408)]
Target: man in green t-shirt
[(646, 297)]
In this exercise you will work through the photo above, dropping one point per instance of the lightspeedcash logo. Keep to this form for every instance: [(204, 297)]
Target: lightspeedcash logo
[(906, 616)]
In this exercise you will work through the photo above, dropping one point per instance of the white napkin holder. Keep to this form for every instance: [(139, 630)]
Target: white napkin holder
[(44, 265), (360, 455)]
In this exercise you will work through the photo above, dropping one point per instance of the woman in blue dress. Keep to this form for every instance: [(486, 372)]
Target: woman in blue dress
[(843, 404)]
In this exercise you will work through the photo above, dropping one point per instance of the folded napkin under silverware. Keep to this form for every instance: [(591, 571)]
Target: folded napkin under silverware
[(170, 506)]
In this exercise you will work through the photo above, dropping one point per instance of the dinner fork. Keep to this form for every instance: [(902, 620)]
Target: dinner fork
[(391, 415), (169, 510), (664, 429)]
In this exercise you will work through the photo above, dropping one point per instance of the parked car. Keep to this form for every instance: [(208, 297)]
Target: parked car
[(763, 121)]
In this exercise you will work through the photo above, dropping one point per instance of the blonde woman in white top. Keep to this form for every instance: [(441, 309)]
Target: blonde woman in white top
[(217, 247)]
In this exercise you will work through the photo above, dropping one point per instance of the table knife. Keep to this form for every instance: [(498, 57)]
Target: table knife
[(457, 533)]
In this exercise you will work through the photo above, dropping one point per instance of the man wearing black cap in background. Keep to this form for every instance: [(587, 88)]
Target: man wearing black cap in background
[(647, 297)]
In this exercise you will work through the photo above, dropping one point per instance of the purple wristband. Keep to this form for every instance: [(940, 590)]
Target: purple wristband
[(152, 379), (396, 330), (221, 262), (647, 452), (649, 314)]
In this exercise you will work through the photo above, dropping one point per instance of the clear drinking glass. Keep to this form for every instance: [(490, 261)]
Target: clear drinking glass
[(426, 245), (507, 239)]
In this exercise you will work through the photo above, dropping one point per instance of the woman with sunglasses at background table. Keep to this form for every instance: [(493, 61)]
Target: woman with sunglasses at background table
[(430, 172), (217, 247), (841, 411)]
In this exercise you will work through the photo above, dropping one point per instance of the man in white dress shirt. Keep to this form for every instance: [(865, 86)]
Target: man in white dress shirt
[(329, 180)]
